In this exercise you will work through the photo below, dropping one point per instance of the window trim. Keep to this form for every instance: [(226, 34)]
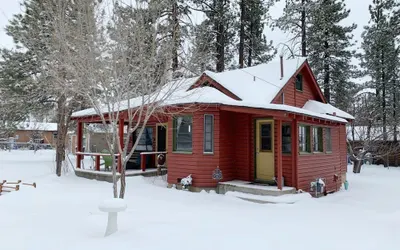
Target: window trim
[(212, 134), (330, 140), (174, 143), (295, 83), (321, 129), (309, 140)]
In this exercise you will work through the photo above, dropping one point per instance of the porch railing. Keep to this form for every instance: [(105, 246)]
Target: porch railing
[(143, 158), (97, 159)]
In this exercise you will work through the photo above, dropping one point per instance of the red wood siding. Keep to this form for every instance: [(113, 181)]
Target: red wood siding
[(197, 163), (242, 146), (295, 97), (227, 143), (322, 165)]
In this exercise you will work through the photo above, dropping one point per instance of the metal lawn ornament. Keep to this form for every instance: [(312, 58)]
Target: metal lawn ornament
[(217, 174)]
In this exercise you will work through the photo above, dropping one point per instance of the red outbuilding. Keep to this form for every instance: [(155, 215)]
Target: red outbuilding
[(269, 124)]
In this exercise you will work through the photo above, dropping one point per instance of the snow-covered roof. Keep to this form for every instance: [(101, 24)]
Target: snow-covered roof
[(259, 83), (255, 86), (326, 108), (37, 126)]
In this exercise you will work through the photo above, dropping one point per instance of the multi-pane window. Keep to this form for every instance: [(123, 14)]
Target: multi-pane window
[(265, 136), (299, 82), (286, 138), (182, 133), (304, 138), (208, 133), (317, 139), (328, 140)]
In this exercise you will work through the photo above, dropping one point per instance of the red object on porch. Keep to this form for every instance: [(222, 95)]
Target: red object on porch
[(79, 134), (97, 162), (143, 162)]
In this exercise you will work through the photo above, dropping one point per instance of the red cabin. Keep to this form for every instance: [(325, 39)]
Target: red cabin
[(269, 123)]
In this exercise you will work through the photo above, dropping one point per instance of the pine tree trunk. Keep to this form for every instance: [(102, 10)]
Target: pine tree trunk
[(395, 153), (219, 30), (303, 30), (384, 121), (175, 36), (241, 38), (250, 59), (327, 92)]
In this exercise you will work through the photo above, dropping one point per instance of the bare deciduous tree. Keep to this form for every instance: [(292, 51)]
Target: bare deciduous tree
[(114, 56)]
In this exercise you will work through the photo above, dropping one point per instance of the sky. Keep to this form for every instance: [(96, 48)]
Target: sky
[(359, 14)]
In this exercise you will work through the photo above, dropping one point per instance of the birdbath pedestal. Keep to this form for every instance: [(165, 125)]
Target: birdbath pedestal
[(112, 207)]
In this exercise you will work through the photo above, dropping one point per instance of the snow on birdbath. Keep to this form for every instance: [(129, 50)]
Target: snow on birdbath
[(112, 207)]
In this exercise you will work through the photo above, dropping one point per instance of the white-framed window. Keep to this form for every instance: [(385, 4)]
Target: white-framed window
[(182, 127), (208, 139)]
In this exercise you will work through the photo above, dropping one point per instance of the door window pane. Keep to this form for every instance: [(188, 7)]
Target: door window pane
[(266, 139)]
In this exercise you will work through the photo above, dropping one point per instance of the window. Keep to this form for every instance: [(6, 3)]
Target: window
[(208, 133), (304, 139), (283, 98), (286, 139), (265, 136), (318, 142), (299, 82), (145, 142), (328, 140), (183, 133)]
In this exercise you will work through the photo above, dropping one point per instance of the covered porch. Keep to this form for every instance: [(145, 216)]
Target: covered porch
[(152, 143)]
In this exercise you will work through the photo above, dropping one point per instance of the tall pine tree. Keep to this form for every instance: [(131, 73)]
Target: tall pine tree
[(380, 59), (329, 50), (253, 45), (36, 34), (296, 21), (221, 21)]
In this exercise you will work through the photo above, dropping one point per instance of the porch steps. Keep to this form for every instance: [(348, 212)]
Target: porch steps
[(253, 192)]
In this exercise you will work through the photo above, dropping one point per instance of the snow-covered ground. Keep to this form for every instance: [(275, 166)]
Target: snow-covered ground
[(62, 213)]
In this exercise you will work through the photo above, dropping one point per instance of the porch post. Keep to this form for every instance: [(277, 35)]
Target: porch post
[(279, 152), (121, 141), (79, 133), (295, 147)]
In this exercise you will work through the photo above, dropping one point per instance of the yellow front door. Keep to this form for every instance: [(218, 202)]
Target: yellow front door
[(265, 170)]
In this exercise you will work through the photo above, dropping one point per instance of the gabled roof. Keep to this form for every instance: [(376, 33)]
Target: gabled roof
[(259, 84)]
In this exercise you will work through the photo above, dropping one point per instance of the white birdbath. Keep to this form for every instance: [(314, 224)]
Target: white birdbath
[(112, 207)]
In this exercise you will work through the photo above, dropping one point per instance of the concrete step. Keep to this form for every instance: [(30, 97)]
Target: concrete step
[(253, 188)]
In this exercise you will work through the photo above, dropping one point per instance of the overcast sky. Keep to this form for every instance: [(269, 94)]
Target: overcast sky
[(359, 15)]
